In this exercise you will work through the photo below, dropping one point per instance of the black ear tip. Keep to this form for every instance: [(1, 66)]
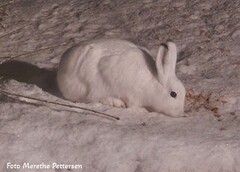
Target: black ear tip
[(164, 45)]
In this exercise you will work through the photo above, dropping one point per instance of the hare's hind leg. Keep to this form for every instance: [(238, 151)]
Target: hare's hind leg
[(111, 101)]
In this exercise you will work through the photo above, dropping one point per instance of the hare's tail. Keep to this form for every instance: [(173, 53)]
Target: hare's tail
[(69, 82)]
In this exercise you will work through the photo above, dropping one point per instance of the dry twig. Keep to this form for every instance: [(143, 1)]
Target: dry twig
[(42, 102), (7, 58)]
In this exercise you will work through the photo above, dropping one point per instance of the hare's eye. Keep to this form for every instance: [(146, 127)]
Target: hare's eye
[(173, 94)]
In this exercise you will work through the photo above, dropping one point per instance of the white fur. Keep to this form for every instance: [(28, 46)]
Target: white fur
[(122, 74)]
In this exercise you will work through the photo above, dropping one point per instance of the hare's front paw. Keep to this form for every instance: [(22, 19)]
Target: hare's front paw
[(111, 101)]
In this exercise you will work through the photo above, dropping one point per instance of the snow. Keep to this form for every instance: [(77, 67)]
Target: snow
[(207, 138)]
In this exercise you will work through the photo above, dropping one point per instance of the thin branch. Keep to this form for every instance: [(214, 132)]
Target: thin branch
[(46, 102), (30, 52), (13, 31)]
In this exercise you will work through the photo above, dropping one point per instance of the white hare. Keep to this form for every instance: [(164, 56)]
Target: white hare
[(119, 73)]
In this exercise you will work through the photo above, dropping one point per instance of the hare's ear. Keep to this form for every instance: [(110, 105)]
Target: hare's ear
[(171, 59), (161, 55), (166, 61)]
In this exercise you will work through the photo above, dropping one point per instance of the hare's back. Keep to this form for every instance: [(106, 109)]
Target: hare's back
[(120, 60), (111, 47)]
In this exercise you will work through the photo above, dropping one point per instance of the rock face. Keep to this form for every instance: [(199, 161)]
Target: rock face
[(36, 134)]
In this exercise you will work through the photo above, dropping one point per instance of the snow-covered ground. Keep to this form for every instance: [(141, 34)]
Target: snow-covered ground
[(35, 33)]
